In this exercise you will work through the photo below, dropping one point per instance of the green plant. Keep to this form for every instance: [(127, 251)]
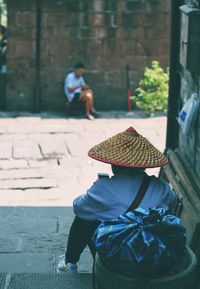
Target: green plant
[(152, 93)]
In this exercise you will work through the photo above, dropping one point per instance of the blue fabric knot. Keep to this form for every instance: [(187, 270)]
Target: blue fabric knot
[(143, 242)]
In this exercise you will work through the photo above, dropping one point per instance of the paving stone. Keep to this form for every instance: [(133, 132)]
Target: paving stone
[(53, 149), (37, 137), (51, 128), (9, 244), (12, 137), (27, 183), (75, 149), (26, 149), (25, 173), (12, 128), (13, 164), (29, 225), (5, 150), (60, 212), (38, 243), (50, 281), (7, 211), (32, 197), (43, 163), (76, 162), (86, 262), (2, 280), (26, 263)]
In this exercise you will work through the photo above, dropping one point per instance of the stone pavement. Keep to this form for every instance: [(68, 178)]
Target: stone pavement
[(43, 167)]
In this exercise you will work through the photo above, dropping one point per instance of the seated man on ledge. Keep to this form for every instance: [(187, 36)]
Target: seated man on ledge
[(76, 90)]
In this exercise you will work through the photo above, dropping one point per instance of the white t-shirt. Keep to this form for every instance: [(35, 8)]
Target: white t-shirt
[(72, 80)]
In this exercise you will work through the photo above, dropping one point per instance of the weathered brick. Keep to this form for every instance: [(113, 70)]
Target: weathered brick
[(113, 47), (98, 5), (11, 18), (166, 6), (116, 78), (94, 47), (105, 62), (59, 6), (130, 6), (26, 33), (140, 49), (105, 35), (98, 33), (26, 19), (158, 47), (21, 5), (98, 77), (24, 48), (132, 20), (96, 19)]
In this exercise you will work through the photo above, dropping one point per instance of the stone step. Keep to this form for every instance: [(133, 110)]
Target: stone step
[(34, 238), (45, 281)]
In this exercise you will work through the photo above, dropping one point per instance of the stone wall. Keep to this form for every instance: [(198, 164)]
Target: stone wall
[(190, 145), (105, 35)]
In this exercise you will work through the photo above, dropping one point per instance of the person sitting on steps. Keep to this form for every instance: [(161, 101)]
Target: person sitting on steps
[(129, 154), (77, 90)]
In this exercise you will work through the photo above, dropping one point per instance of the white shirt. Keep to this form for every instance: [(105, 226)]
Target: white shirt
[(110, 197), (72, 80)]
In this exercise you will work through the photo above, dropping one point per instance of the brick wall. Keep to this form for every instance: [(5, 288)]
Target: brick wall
[(105, 35)]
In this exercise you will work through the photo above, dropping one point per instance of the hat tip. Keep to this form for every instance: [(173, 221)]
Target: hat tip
[(131, 129)]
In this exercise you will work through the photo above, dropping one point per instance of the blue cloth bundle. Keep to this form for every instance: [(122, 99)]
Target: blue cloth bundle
[(143, 242)]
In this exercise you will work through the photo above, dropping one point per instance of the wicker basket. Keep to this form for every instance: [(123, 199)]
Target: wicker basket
[(183, 278)]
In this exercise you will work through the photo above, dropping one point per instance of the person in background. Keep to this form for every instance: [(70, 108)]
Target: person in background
[(129, 154), (77, 90)]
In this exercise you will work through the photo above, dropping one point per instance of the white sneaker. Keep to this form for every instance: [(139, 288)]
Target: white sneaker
[(64, 267)]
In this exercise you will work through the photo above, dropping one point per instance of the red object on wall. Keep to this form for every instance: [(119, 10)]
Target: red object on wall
[(128, 88)]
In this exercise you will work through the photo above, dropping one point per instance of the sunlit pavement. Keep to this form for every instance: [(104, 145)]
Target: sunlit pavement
[(43, 159)]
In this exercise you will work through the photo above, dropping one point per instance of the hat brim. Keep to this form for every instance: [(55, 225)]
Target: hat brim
[(128, 149)]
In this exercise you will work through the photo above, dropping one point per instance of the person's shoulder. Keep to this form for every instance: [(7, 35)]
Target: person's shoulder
[(156, 179), (160, 182), (70, 75)]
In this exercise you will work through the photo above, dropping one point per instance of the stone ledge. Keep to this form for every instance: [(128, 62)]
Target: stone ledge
[(48, 281)]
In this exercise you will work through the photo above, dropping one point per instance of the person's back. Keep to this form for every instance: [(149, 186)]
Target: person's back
[(110, 197)]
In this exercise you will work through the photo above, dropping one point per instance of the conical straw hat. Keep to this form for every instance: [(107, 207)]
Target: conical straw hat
[(128, 149)]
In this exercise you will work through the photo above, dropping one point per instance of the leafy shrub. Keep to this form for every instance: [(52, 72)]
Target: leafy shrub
[(152, 92)]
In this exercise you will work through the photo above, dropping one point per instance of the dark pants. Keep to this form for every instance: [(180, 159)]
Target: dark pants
[(80, 236)]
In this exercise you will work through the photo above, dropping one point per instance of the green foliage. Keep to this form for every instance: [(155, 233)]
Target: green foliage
[(2, 7), (152, 92), (3, 12)]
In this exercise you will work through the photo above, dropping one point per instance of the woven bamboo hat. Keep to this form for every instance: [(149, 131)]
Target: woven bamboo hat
[(129, 149)]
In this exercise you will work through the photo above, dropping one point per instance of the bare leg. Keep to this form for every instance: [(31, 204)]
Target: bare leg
[(87, 97)]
